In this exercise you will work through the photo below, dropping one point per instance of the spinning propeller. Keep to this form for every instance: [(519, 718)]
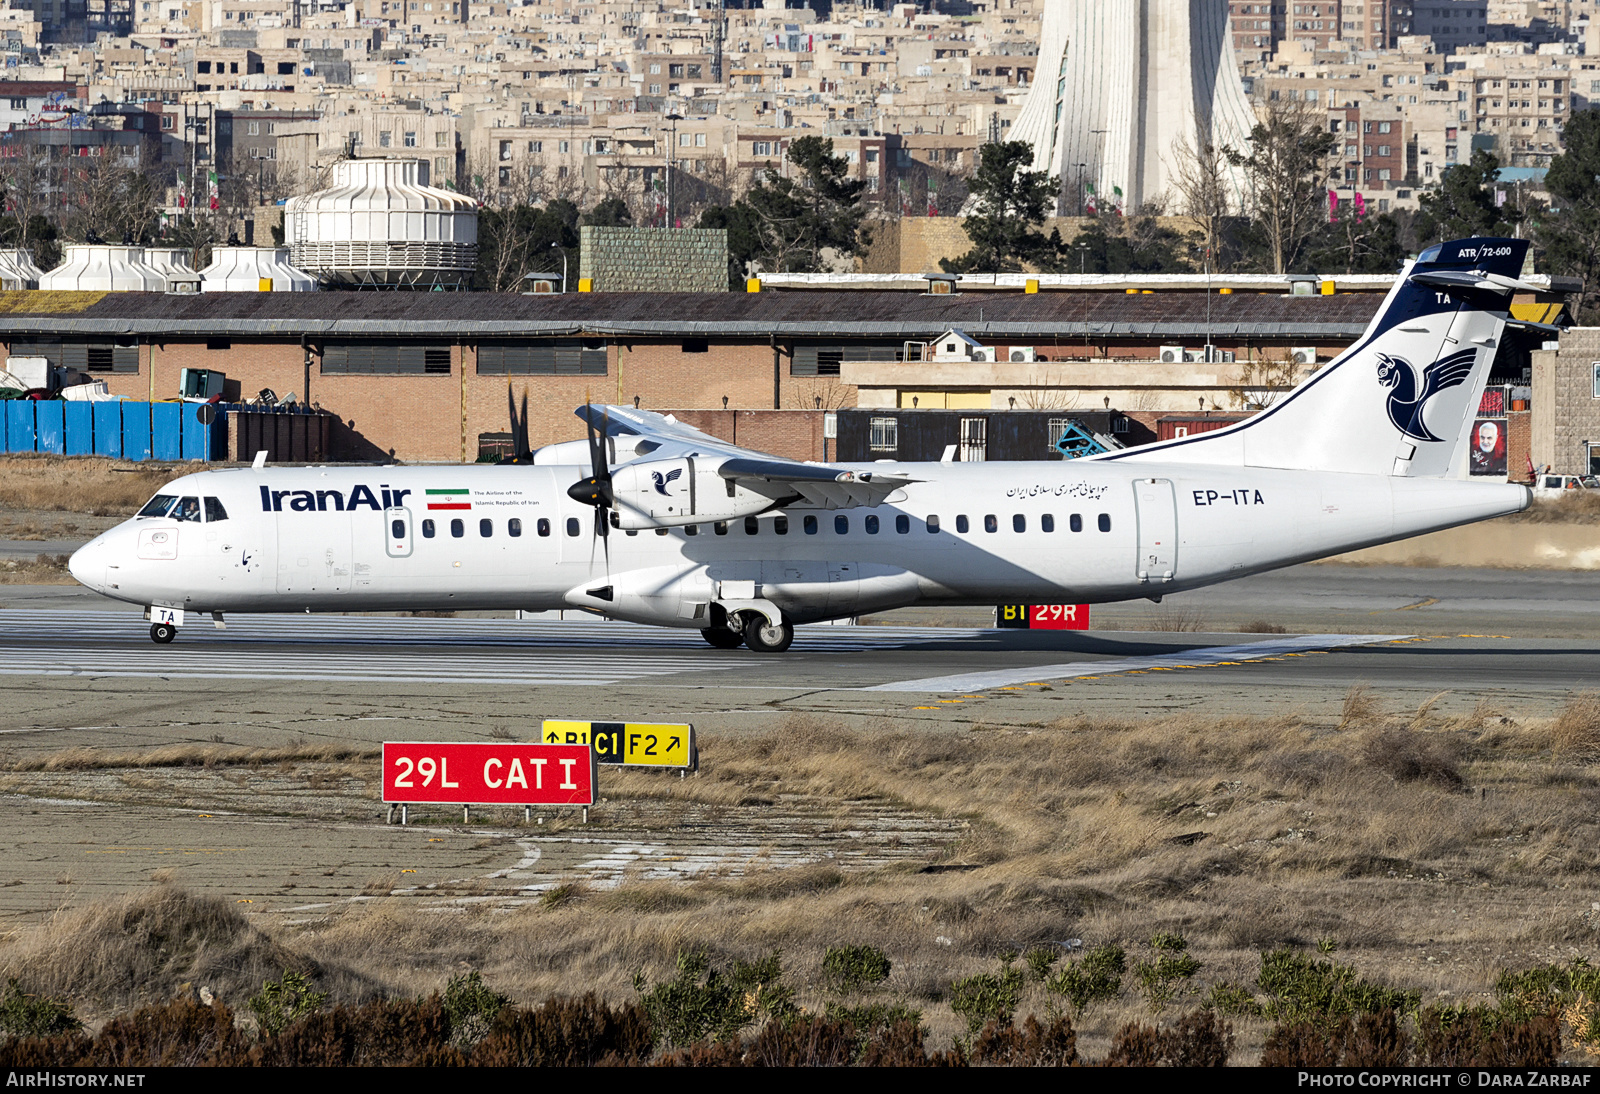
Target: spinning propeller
[(596, 489)]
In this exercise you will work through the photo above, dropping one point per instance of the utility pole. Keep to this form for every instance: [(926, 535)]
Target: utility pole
[(672, 151)]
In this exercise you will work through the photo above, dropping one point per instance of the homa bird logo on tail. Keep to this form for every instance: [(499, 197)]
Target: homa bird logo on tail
[(1406, 404), (662, 480)]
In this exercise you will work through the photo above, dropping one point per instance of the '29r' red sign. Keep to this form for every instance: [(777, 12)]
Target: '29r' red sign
[(495, 774)]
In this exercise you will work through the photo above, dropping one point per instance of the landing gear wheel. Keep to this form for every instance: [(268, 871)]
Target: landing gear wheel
[(163, 632), (722, 638), (763, 637)]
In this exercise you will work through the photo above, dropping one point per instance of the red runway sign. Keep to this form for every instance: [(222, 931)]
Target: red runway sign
[(1043, 617), (417, 772)]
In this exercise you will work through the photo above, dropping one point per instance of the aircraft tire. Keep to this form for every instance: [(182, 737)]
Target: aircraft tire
[(763, 637), (163, 632), (722, 638)]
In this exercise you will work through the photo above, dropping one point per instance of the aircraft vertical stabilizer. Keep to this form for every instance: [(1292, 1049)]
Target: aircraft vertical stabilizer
[(1401, 400)]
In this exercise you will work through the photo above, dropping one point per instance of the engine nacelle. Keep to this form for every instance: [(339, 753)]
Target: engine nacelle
[(670, 493)]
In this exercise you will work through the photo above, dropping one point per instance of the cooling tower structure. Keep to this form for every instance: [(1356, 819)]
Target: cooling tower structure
[(1121, 86), (379, 227), (101, 267), (254, 269)]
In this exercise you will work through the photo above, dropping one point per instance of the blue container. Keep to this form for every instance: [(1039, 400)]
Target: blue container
[(199, 439), (136, 431), (108, 428), (78, 420), (20, 435), (166, 431), (51, 427)]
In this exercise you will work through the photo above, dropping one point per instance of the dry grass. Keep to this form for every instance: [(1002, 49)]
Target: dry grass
[(1578, 507), (1242, 833), (81, 484), (1172, 617), (148, 947), (1575, 734), (39, 570), (1261, 626), (189, 755)]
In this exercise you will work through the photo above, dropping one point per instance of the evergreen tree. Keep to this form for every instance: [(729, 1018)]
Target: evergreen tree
[(1012, 203), (1570, 231), (1357, 242), (1122, 245), (1463, 204)]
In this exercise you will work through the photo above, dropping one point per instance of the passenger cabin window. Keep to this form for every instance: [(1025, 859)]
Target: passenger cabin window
[(691, 529), (514, 527), (902, 524), (427, 529), (215, 511), (961, 523), (486, 528), (1105, 522), (780, 526), (1075, 522), (721, 526), (991, 523), (933, 522), (572, 526), (841, 525), (543, 527), (811, 526), (872, 525), (1019, 523), (751, 526), (458, 529), (397, 528)]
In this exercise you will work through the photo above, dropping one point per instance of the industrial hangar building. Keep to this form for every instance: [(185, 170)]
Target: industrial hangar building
[(421, 376)]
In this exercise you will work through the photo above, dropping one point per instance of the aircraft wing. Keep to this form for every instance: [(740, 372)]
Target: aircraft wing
[(659, 437)]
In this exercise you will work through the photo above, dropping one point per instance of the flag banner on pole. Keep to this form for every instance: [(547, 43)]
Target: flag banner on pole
[(1333, 206)]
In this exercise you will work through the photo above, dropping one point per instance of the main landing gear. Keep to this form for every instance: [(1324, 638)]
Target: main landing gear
[(723, 638), (163, 632)]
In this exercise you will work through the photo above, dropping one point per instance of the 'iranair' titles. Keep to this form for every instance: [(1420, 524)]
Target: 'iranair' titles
[(1245, 496), (321, 501)]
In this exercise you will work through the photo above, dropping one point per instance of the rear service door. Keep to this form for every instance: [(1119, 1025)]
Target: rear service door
[(1158, 530)]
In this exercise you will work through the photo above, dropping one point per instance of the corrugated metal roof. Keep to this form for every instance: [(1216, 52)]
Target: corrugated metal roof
[(473, 316)]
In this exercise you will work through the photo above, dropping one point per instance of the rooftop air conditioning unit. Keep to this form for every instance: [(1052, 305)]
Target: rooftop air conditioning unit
[(1022, 353), (1171, 355), (1303, 355)]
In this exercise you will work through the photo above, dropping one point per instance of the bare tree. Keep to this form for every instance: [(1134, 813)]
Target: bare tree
[(1286, 172), (1201, 191), (1265, 380)]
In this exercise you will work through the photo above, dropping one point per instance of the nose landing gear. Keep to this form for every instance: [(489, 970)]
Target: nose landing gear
[(763, 637), (163, 632)]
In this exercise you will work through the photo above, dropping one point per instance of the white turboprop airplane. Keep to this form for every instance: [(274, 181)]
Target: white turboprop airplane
[(651, 521)]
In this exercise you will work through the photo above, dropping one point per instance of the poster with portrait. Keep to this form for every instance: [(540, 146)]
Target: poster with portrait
[(1489, 447)]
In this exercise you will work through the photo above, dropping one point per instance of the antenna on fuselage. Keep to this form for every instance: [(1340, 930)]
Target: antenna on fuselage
[(260, 461)]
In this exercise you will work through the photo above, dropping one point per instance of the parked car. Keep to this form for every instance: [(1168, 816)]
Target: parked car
[(1558, 486)]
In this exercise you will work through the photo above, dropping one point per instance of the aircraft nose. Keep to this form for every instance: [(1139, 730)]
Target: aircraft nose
[(88, 564)]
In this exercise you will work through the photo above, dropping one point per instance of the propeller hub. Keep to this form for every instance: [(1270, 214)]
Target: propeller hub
[(591, 491)]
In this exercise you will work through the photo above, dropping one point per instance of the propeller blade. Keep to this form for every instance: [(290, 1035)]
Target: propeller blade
[(524, 449)]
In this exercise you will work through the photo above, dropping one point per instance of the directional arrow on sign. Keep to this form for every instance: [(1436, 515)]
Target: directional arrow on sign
[(675, 742)]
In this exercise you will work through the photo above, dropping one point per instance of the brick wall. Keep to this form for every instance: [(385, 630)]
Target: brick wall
[(654, 259), (1576, 417), (789, 434)]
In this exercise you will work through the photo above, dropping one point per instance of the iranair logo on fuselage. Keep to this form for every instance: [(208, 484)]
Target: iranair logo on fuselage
[(1406, 403), (359, 496), (662, 480)]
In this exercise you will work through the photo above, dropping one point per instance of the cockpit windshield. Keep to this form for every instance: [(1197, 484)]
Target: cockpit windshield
[(158, 506)]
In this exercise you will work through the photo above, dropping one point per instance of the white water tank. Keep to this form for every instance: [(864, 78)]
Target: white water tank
[(17, 269), (101, 267), (377, 225), (254, 269)]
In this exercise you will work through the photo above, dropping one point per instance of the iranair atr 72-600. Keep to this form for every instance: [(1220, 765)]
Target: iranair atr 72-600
[(651, 521)]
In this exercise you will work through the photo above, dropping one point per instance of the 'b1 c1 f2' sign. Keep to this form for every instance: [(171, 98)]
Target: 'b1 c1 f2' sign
[(634, 744), (1043, 617), (417, 772)]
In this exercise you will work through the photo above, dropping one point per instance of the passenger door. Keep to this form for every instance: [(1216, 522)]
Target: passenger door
[(1158, 530)]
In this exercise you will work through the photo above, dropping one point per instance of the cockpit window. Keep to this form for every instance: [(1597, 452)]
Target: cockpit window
[(215, 511), (157, 506), (187, 509)]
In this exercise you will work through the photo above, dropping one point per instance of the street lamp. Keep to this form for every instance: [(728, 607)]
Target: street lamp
[(672, 149)]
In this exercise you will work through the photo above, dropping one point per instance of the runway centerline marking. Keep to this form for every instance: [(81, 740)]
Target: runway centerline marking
[(1201, 658)]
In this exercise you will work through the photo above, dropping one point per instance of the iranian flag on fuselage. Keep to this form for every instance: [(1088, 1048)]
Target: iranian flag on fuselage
[(449, 499)]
